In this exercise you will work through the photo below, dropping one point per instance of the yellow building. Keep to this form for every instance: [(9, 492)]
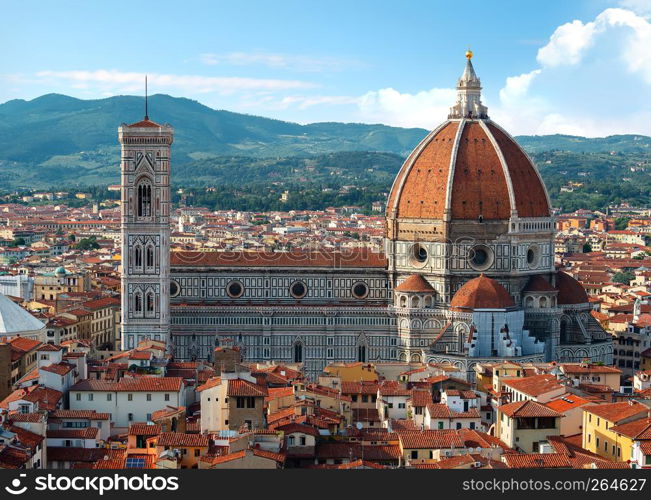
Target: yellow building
[(598, 435), (352, 372), (524, 425), (182, 450), (504, 371)]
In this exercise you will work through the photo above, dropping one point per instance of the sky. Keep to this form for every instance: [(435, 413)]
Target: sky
[(580, 67)]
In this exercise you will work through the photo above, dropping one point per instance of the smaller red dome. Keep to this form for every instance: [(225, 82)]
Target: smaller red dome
[(570, 291), (538, 284), (482, 293), (415, 283)]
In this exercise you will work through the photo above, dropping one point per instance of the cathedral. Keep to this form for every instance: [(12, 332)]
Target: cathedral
[(467, 274)]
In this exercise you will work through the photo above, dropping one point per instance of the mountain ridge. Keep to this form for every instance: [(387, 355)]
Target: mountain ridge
[(55, 138)]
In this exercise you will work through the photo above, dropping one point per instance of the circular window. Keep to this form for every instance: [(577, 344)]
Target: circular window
[(298, 289), (175, 289), (360, 290), (532, 256), (235, 289), (419, 253), (480, 257)]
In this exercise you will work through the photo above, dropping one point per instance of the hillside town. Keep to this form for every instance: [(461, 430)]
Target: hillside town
[(70, 397)]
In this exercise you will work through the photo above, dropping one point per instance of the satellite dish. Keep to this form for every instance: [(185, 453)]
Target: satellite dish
[(359, 426)]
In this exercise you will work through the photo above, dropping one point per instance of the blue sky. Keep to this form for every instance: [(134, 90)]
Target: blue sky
[(580, 67)]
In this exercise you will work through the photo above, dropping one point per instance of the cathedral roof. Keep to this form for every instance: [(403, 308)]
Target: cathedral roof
[(570, 291), (468, 168), (481, 293), (415, 283), (359, 257), (538, 284)]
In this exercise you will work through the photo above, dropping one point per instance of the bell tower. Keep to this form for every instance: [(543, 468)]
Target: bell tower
[(145, 169)]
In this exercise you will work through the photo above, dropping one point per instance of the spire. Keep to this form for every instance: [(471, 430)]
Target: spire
[(146, 101), (468, 103)]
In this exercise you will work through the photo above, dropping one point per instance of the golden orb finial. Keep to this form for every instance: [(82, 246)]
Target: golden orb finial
[(468, 54)]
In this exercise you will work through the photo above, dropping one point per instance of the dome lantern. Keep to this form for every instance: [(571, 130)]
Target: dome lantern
[(468, 103)]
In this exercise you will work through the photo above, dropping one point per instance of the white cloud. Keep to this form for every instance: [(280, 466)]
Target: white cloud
[(294, 62), (517, 86), (594, 79), (570, 42), (567, 44), (642, 7), (119, 81), (424, 109)]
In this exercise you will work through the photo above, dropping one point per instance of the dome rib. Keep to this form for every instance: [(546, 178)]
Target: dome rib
[(505, 168), (479, 185), (524, 176)]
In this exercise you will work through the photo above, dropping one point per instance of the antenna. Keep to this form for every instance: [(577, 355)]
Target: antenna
[(146, 101)]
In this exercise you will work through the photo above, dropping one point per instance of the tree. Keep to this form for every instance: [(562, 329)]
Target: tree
[(18, 242), (587, 248), (621, 223), (624, 278), (87, 244)]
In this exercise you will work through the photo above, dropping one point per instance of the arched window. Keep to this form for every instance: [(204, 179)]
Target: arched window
[(543, 302), (361, 353), (298, 353), (150, 256), (144, 199), (150, 302), (138, 255), (137, 300)]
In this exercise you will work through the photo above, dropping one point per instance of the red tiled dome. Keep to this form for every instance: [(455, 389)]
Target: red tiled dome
[(570, 291), (469, 168), (415, 283), (538, 284), (481, 293)]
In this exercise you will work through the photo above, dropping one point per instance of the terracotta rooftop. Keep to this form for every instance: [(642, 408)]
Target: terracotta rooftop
[(144, 429), (141, 384), (581, 368), (616, 412), (567, 402), (415, 283), (538, 283), (638, 429), (535, 385), (570, 291), (81, 414), (481, 293), (481, 183), (179, 439), (527, 409), (430, 439), (536, 461), (240, 387)]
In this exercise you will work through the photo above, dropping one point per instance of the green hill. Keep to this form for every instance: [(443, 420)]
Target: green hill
[(56, 140)]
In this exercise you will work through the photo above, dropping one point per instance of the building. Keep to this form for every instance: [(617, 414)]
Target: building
[(145, 170), (232, 401), (525, 425), (467, 275), (128, 400), (600, 425)]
